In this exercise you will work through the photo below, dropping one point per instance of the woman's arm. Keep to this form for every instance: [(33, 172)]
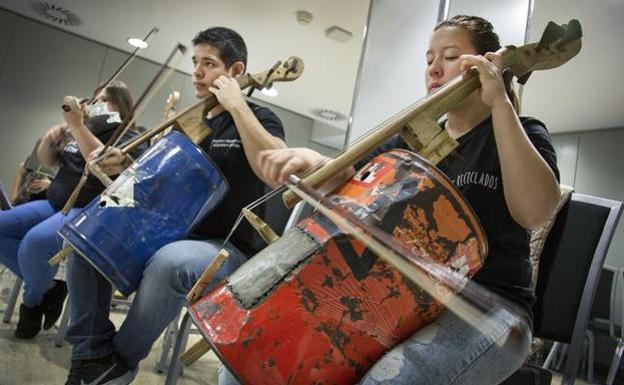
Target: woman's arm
[(530, 186), (48, 151)]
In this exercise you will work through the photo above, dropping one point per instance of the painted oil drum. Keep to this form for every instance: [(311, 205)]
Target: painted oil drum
[(157, 200), (317, 306)]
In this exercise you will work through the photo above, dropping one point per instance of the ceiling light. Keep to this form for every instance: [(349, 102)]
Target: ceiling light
[(328, 114), (304, 17), (338, 34), (136, 42), (272, 92)]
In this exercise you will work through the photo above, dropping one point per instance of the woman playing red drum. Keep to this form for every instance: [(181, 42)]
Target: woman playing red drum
[(505, 166)]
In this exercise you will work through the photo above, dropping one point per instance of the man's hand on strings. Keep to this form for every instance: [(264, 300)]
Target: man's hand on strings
[(114, 161), (277, 165)]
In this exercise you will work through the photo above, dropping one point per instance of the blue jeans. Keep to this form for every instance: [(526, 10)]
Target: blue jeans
[(167, 278), (448, 351), (28, 240)]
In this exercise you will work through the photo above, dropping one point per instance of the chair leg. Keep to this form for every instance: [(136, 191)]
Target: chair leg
[(169, 338), (615, 362), (174, 366), (551, 355), (590, 357), (562, 357), (12, 300), (62, 330)]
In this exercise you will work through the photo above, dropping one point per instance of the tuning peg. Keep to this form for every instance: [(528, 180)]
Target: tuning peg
[(552, 33), (524, 78), (573, 31), (182, 48), (292, 64)]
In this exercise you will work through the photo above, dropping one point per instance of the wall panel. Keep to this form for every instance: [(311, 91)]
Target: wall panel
[(599, 172), (41, 66), (7, 23), (566, 147)]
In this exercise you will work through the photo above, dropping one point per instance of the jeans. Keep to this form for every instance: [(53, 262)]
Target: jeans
[(167, 278), (28, 239), (448, 351)]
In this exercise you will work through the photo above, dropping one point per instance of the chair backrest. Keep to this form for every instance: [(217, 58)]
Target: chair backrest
[(602, 305), (607, 310), (570, 269), (5, 204), (617, 305), (276, 214), (281, 218)]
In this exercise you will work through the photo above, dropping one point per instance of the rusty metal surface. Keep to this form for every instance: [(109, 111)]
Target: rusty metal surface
[(325, 314)]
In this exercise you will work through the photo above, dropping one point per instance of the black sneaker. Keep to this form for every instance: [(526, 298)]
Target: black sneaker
[(52, 303), (110, 370), (29, 323)]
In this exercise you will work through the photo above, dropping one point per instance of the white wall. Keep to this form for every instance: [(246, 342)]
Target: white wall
[(391, 76), (509, 17), (392, 73)]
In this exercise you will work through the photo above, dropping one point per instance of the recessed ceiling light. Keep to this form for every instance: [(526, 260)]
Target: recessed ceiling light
[(338, 34), (272, 92), (328, 114), (304, 17), (135, 42)]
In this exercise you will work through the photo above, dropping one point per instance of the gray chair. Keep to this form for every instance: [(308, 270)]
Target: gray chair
[(569, 273), (607, 316)]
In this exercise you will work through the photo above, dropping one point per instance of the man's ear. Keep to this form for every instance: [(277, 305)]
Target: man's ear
[(237, 69)]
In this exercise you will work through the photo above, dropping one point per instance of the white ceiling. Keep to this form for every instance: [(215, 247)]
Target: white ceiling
[(270, 29)]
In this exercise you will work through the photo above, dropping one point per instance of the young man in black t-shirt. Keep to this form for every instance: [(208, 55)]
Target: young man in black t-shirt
[(240, 130)]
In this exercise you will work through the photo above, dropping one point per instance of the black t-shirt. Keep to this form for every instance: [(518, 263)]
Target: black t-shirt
[(72, 165), (474, 168), (225, 148)]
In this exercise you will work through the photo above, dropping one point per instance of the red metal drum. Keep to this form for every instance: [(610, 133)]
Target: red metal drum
[(318, 307)]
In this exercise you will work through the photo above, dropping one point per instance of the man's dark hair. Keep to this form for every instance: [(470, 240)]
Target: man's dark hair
[(230, 44)]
